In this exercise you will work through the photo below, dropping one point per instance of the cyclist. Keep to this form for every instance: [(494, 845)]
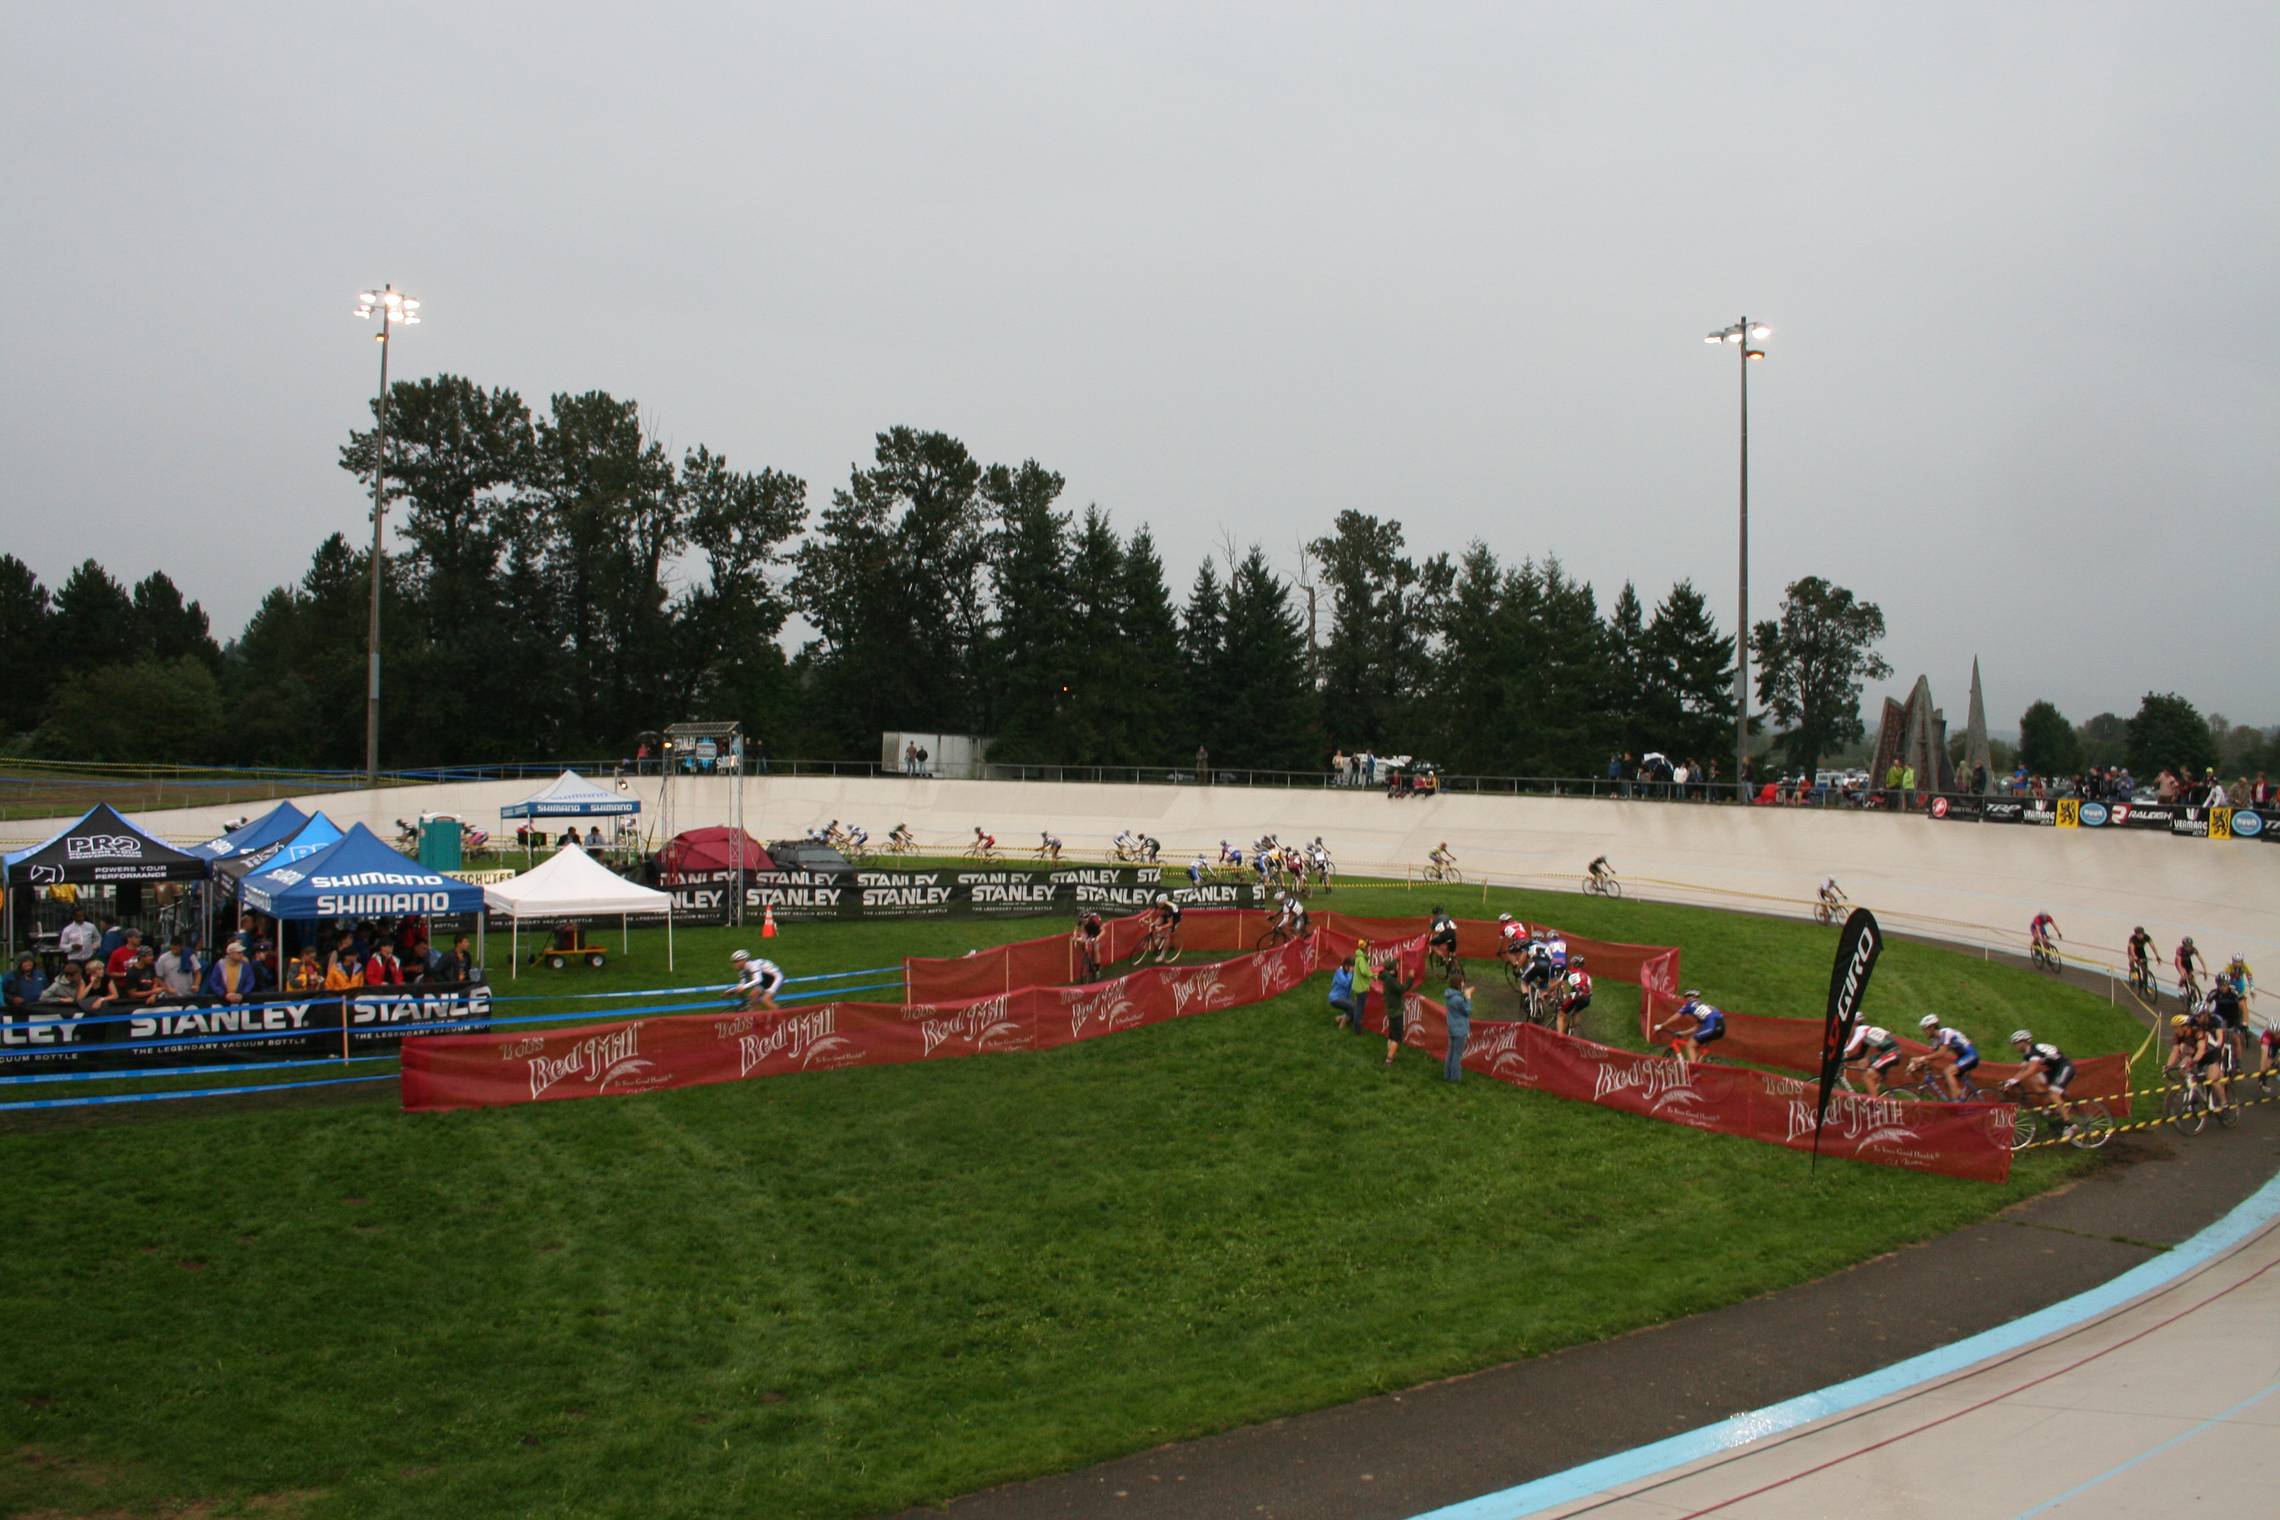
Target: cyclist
[(2229, 1011), (2044, 1073), (1164, 927), (1291, 918), (1318, 856), (2189, 963), (1708, 1026), (756, 981), (1048, 848), (2043, 935), (1556, 943), (1122, 844), (1441, 934), (1832, 897), (2197, 1047), (984, 845), (1087, 937), (1511, 938), (1575, 996), (1873, 1049), (1952, 1051), (1440, 859), (2141, 955), (857, 838), (2242, 978), (1150, 848), (1229, 855), (902, 839), (1196, 868), (1599, 870)]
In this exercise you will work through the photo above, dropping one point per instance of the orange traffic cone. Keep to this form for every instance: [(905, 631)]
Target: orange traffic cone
[(768, 922)]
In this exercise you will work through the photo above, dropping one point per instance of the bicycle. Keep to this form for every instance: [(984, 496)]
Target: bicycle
[(1451, 964), (1924, 1082), (1443, 872), (901, 846), (1278, 933), (1825, 911), (2142, 982), (1604, 885), (1543, 1004), (980, 852), (2045, 957), (2087, 1132), (2188, 1107)]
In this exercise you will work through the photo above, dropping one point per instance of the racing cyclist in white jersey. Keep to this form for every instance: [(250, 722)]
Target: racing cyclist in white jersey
[(756, 981)]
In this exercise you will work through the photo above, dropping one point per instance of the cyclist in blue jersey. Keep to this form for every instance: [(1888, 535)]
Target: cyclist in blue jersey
[(1706, 1026), (1952, 1053)]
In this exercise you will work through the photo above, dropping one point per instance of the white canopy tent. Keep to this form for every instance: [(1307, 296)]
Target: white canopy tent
[(572, 884)]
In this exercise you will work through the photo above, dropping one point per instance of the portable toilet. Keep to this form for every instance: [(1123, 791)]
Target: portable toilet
[(439, 843)]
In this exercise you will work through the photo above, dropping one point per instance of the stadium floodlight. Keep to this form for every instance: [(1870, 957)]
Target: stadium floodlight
[(1748, 335), (395, 309)]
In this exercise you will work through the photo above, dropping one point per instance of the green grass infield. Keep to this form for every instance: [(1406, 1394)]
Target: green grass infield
[(840, 1294)]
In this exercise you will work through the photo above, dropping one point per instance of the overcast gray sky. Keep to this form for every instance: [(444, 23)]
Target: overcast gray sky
[(1230, 269)]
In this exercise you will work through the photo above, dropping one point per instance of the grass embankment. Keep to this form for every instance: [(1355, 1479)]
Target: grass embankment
[(838, 1294)]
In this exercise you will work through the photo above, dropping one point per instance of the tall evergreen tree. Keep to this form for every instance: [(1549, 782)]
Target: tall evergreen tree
[(1637, 713), (94, 621), (1032, 658), (1203, 640), (1811, 661), (1271, 705), (1153, 675), (1377, 640), (167, 628), (1464, 707), (1687, 668), (25, 629), (732, 667), (1095, 714)]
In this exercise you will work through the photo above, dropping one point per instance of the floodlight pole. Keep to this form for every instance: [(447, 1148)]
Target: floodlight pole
[(1745, 335), (393, 308)]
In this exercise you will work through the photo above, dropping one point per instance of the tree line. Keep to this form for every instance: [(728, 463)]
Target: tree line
[(562, 582)]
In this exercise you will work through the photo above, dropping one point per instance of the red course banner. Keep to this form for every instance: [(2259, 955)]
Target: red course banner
[(1014, 998)]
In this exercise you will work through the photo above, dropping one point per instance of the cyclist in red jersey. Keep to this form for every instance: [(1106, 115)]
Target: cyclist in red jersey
[(2042, 931)]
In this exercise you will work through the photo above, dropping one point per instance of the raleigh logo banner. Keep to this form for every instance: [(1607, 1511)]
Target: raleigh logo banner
[(1857, 950)]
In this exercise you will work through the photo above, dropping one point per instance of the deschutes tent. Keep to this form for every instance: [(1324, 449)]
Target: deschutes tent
[(278, 824), (572, 884), (701, 852)]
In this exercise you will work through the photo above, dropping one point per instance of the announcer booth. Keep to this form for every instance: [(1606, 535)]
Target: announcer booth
[(360, 875), (101, 850), (571, 795)]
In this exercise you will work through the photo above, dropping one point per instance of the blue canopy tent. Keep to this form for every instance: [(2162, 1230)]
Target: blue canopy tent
[(279, 823), (101, 849), (316, 832), (359, 875), (571, 795)]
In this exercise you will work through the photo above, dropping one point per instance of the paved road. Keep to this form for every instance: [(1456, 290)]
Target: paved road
[(1398, 1455)]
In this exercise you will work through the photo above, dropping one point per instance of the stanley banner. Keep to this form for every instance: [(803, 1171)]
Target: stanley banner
[(1857, 950)]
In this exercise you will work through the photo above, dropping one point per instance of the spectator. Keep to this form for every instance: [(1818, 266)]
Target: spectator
[(910, 757), (923, 757), (1460, 1026), (111, 939), (458, 965), (594, 837), (2262, 793), (1341, 997), (178, 969), (93, 994), (1338, 767), (1680, 774), (569, 837), (1908, 786), (2218, 796), (1614, 771), (1396, 1005), (344, 968), (22, 987), (759, 755), (139, 983), (79, 938), (419, 961), (383, 969), (1369, 767), (1979, 779), (123, 955), (305, 974), (63, 992), (522, 836), (234, 978), (1202, 765)]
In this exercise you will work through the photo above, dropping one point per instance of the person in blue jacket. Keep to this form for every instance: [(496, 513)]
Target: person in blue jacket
[(234, 978)]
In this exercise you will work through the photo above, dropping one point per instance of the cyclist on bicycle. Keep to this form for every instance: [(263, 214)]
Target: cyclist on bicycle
[(1511, 937), (1575, 996), (1952, 1051), (2230, 1013), (1048, 847), (1832, 898), (1292, 919), (1873, 1049), (2044, 1074), (1707, 1026), (2242, 978), (1229, 855), (1440, 859), (2141, 955), (1122, 844), (2043, 935), (902, 838), (1599, 870), (756, 981), (1164, 926), (1087, 937), (1537, 971), (2189, 963), (1196, 868), (1149, 848), (984, 845), (2197, 1046), (857, 838), (1441, 935), (1555, 943)]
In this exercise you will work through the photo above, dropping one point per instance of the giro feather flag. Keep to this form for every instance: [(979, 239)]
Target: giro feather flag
[(1857, 949)]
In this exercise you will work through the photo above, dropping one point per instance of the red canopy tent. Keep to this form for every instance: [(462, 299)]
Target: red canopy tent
[(701, 852)]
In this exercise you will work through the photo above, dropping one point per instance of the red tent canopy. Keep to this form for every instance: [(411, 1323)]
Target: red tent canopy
[(699, 852)]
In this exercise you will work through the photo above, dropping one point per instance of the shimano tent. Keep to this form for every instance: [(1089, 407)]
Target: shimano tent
[(279, 823), (101, 849), (572, 884), (359, 875)]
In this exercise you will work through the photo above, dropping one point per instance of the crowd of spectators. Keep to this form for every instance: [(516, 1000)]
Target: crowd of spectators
[(2179, 787), (1655, 775)]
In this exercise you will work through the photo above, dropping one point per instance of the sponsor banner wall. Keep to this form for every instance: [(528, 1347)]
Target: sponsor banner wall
[(181, 1034), (1795, 1045), (2071, 813), (1001, 892)]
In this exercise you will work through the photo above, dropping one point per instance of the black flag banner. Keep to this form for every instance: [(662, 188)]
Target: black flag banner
[(1857, 950)]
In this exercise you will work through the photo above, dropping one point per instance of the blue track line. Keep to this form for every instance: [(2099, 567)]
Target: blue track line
[(197, 1092), (2147, 1455)]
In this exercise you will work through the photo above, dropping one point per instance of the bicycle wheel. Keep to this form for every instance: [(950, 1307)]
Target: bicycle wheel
[(1821, 913), (2023, 1130), (1591, 886), (1512, 977), (2092, 1131), (2187, 1112), (1611, 889)]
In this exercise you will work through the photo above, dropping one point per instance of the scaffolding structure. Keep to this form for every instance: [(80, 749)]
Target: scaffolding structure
[(706, 749)]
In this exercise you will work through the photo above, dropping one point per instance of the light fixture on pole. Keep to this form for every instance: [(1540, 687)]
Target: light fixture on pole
[(1744, 335), (394, 309)]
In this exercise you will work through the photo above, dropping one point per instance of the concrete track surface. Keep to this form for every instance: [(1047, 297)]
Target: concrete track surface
[(1969, 882)]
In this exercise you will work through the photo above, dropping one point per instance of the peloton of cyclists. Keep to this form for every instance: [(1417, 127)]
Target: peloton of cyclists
[(2044, 1075), (1952, 1053), (1705, 1027)]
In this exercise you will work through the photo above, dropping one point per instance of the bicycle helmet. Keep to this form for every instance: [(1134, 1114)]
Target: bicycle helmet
[(1163, 898), (2188, 939), (1504, 918), (2022, 1037), (740, 955), (1928, 1021), (2141, 929), (1575, 961), (1436, 910), (1282, 897), (2178, 1021)]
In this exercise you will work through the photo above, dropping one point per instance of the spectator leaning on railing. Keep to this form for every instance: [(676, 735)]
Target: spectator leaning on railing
[(22, 987), (233, 978)]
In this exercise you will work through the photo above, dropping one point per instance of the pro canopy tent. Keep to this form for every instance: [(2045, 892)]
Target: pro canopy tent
[(572, 884), (360, 875), (571, 795), (278, 824), (101, 849)]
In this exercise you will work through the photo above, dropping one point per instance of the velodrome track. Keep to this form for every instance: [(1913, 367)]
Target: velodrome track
[(1973, 883)]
